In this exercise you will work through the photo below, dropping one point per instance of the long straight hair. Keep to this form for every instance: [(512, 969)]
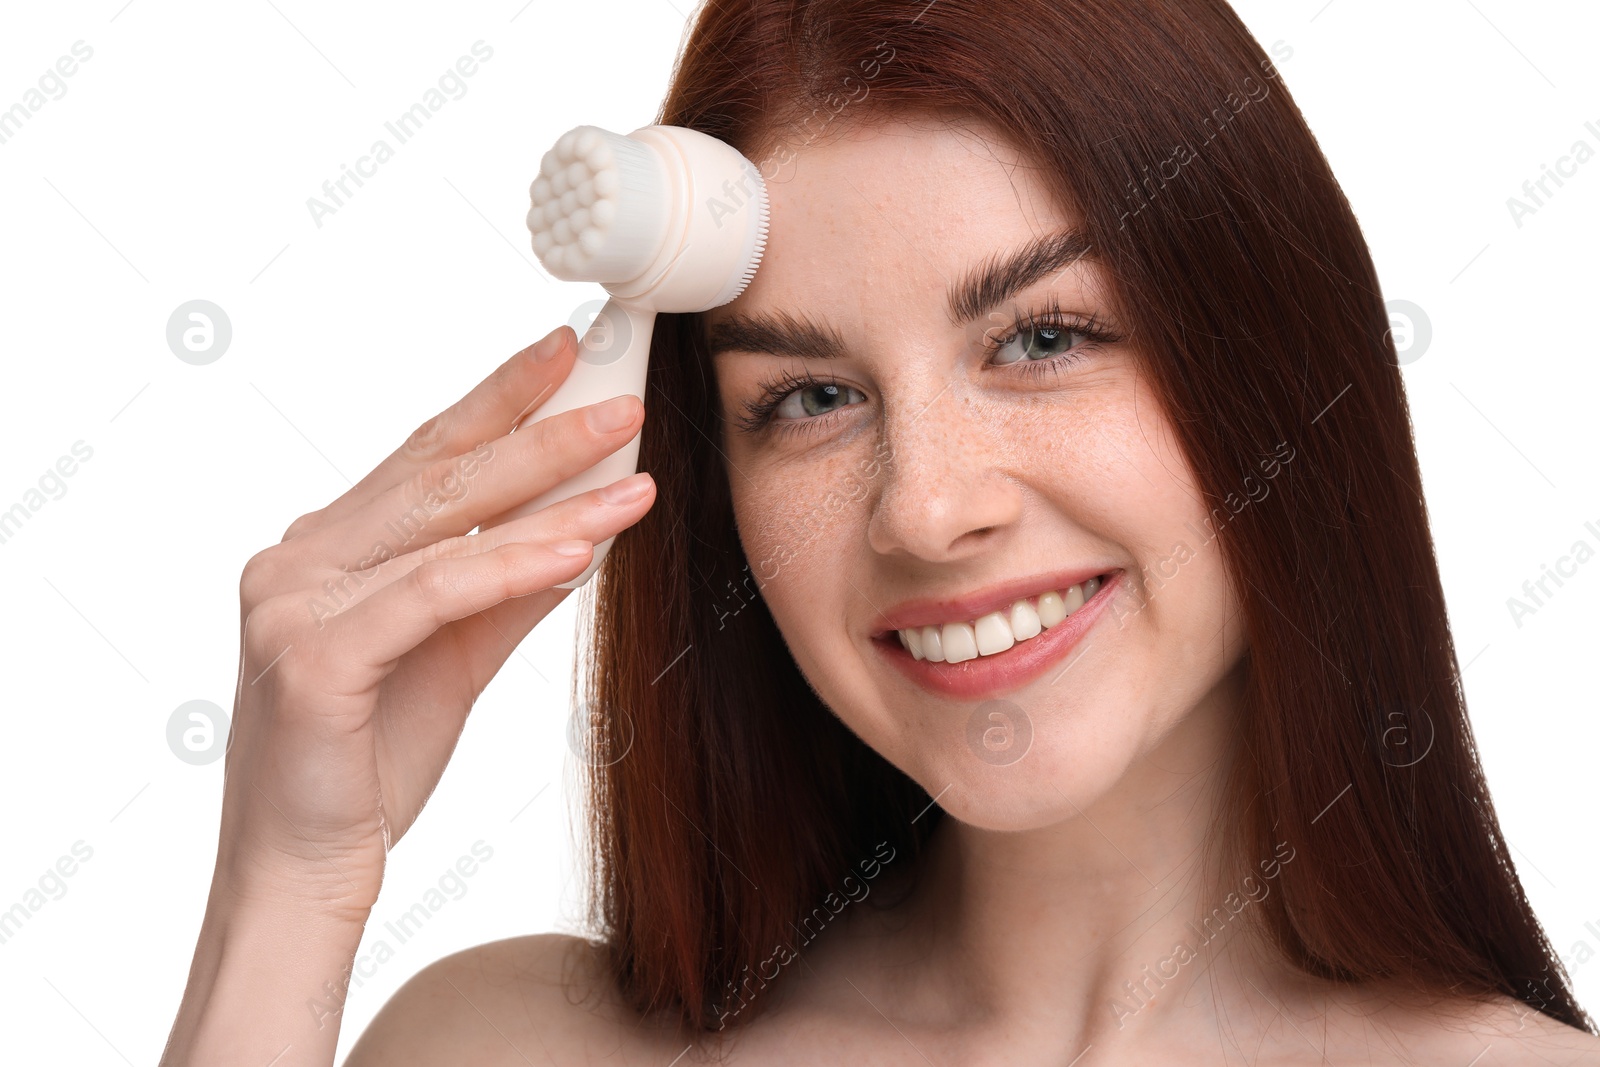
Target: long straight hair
[(729, 808)]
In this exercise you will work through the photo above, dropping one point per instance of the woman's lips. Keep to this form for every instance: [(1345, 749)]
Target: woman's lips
[(1005, 671)]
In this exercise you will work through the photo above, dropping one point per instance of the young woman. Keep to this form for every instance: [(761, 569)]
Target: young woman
[(1026, 646)]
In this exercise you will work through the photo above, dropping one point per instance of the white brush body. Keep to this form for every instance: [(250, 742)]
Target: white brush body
[(667, 219)]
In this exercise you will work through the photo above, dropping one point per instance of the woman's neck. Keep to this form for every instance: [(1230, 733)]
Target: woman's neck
[(1097, 926)]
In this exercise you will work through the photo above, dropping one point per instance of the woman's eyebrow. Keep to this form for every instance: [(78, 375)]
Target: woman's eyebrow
[(774, 334), (997, 279), (976, 293)]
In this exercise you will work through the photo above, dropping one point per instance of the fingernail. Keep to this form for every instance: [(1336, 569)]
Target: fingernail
[(613, 415), (570, 548), (545, 349), (627, 490)]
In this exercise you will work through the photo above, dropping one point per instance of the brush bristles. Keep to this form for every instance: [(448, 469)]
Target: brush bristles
[(595, 214), (762, 218)]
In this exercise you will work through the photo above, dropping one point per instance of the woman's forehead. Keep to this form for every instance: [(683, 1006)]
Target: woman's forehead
[(901, 215)]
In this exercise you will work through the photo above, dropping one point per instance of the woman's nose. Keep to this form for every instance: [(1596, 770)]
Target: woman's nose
[(944, 490)]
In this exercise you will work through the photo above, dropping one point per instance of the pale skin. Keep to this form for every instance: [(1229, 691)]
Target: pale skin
[(1053, 880)]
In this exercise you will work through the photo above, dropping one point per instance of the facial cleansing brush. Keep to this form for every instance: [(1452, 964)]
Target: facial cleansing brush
[(667, 219)]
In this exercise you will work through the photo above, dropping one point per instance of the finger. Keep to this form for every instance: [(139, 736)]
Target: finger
[(365, 643), (491, 635), (593, 516), (483, 641), (451, 497), (490, 410)]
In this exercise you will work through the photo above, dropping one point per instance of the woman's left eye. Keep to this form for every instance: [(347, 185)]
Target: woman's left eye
[(1040, 340), (1048, 338)]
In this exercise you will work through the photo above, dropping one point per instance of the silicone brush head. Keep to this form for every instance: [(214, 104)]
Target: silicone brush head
[(666, 217)]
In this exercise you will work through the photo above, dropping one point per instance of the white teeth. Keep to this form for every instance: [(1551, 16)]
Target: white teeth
[(993, 634), (1053, 608), (1025, 621), (956, 642), (960, 644)]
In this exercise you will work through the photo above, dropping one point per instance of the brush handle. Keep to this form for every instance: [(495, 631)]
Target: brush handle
[(612, 358)]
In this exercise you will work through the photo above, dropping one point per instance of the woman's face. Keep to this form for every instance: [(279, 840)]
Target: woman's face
[(943, 453)]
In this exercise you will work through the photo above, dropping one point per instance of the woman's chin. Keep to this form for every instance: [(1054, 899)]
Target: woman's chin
[(1045, 785)]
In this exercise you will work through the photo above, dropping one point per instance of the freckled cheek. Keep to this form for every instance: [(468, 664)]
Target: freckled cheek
[(1191, 620), (1110, 462), (1089, 461), (801, 523), (1151, 506)]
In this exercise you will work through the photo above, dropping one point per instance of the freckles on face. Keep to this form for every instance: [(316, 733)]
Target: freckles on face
[(903, 453)]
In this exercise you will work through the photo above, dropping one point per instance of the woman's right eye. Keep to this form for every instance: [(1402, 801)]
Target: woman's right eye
[(811, 401), (790, 401)]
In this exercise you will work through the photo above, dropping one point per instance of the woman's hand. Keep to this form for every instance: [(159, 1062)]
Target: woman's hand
[(370, 630)]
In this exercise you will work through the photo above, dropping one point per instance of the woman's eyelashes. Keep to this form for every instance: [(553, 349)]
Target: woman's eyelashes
[(776, 404), (1036, 342), (1046, 332)]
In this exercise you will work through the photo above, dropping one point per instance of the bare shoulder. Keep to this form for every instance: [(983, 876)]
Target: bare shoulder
[(1515, 1032), (1498, 1031), (542, 998)]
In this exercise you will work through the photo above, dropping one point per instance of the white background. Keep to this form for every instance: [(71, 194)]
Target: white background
[(177, 167)]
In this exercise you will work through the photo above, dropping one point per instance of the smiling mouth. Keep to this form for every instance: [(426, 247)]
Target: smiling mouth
[(957, 641), (1012, 665)]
